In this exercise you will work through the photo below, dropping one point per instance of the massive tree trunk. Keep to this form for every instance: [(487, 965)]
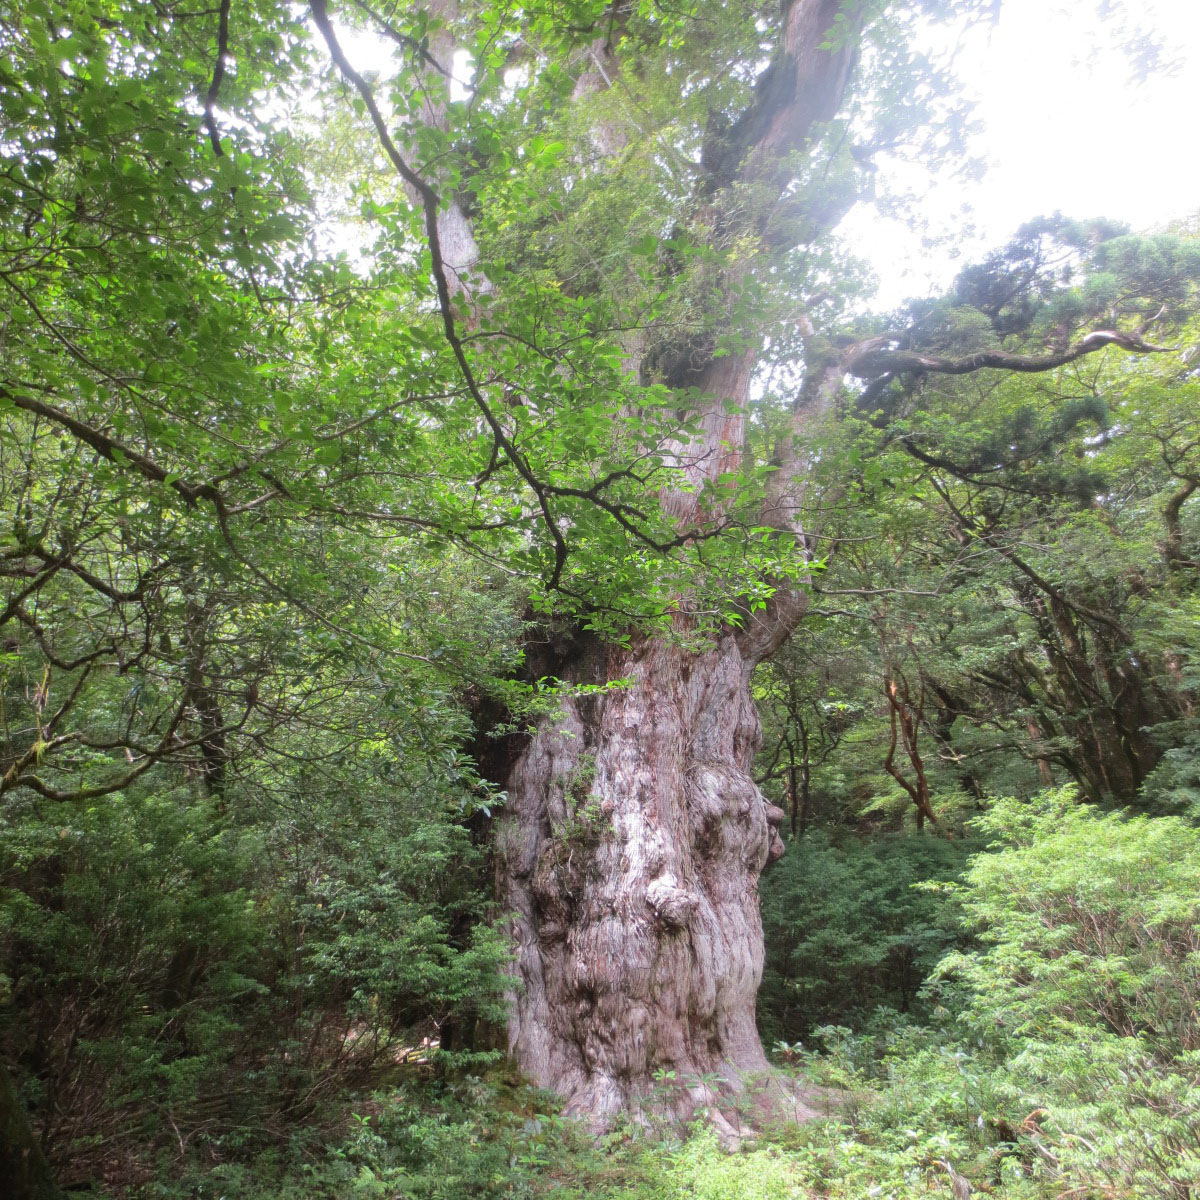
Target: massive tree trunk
[(634, 835), (630, 856)]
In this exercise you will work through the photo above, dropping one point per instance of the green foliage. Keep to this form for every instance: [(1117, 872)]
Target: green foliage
[(1088, 921), (195, 977), (469, 1136), (1059, 1056), (1062, 1058), (849, 930), (1088, 986), (1020, 552), (269, 538), (133, 957)]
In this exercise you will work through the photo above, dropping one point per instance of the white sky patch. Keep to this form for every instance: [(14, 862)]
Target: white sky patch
[(370, 51), (1059, 134)]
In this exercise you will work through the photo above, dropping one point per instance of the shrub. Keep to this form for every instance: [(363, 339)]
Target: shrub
[(847, 932), (1086, 989), (176, 977)]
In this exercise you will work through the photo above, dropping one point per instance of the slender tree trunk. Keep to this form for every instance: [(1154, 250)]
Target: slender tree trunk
[(630, 854), (23, 1168), (1045, 773)]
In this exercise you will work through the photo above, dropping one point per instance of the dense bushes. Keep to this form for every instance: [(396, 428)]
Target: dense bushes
[(1055, 1057), (847, 932), (204, 986), (176, 978), (132, 954), (1061, 1057), (1087, 988)]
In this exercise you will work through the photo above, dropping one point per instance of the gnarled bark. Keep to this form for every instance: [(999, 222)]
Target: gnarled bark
[(630, 853), (634, 835)]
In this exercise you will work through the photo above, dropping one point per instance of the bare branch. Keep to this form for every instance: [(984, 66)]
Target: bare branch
[(869, 359), (214, 88)]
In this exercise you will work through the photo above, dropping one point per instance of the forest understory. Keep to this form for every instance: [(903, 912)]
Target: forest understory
[(519, 678)]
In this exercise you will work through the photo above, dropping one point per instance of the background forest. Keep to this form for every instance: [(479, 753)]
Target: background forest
[(292, 537)]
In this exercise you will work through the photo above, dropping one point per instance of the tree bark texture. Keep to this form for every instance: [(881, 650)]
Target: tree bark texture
[(634, 835), (630, 854)]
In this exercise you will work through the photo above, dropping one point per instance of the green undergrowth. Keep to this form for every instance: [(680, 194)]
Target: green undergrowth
[(897, 1137), (1054, 1053), (907, 1115)]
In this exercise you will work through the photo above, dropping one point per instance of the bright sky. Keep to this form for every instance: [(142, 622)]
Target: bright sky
[(1064, 129)]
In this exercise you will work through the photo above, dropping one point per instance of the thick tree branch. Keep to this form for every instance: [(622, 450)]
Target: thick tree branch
[(803, 85), (1173, 545), (218, 77), (870, 359), (877, 359)]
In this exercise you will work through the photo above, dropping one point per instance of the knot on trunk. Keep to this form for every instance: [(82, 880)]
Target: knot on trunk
[(671, 904), (775, 818), (556, 881)]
